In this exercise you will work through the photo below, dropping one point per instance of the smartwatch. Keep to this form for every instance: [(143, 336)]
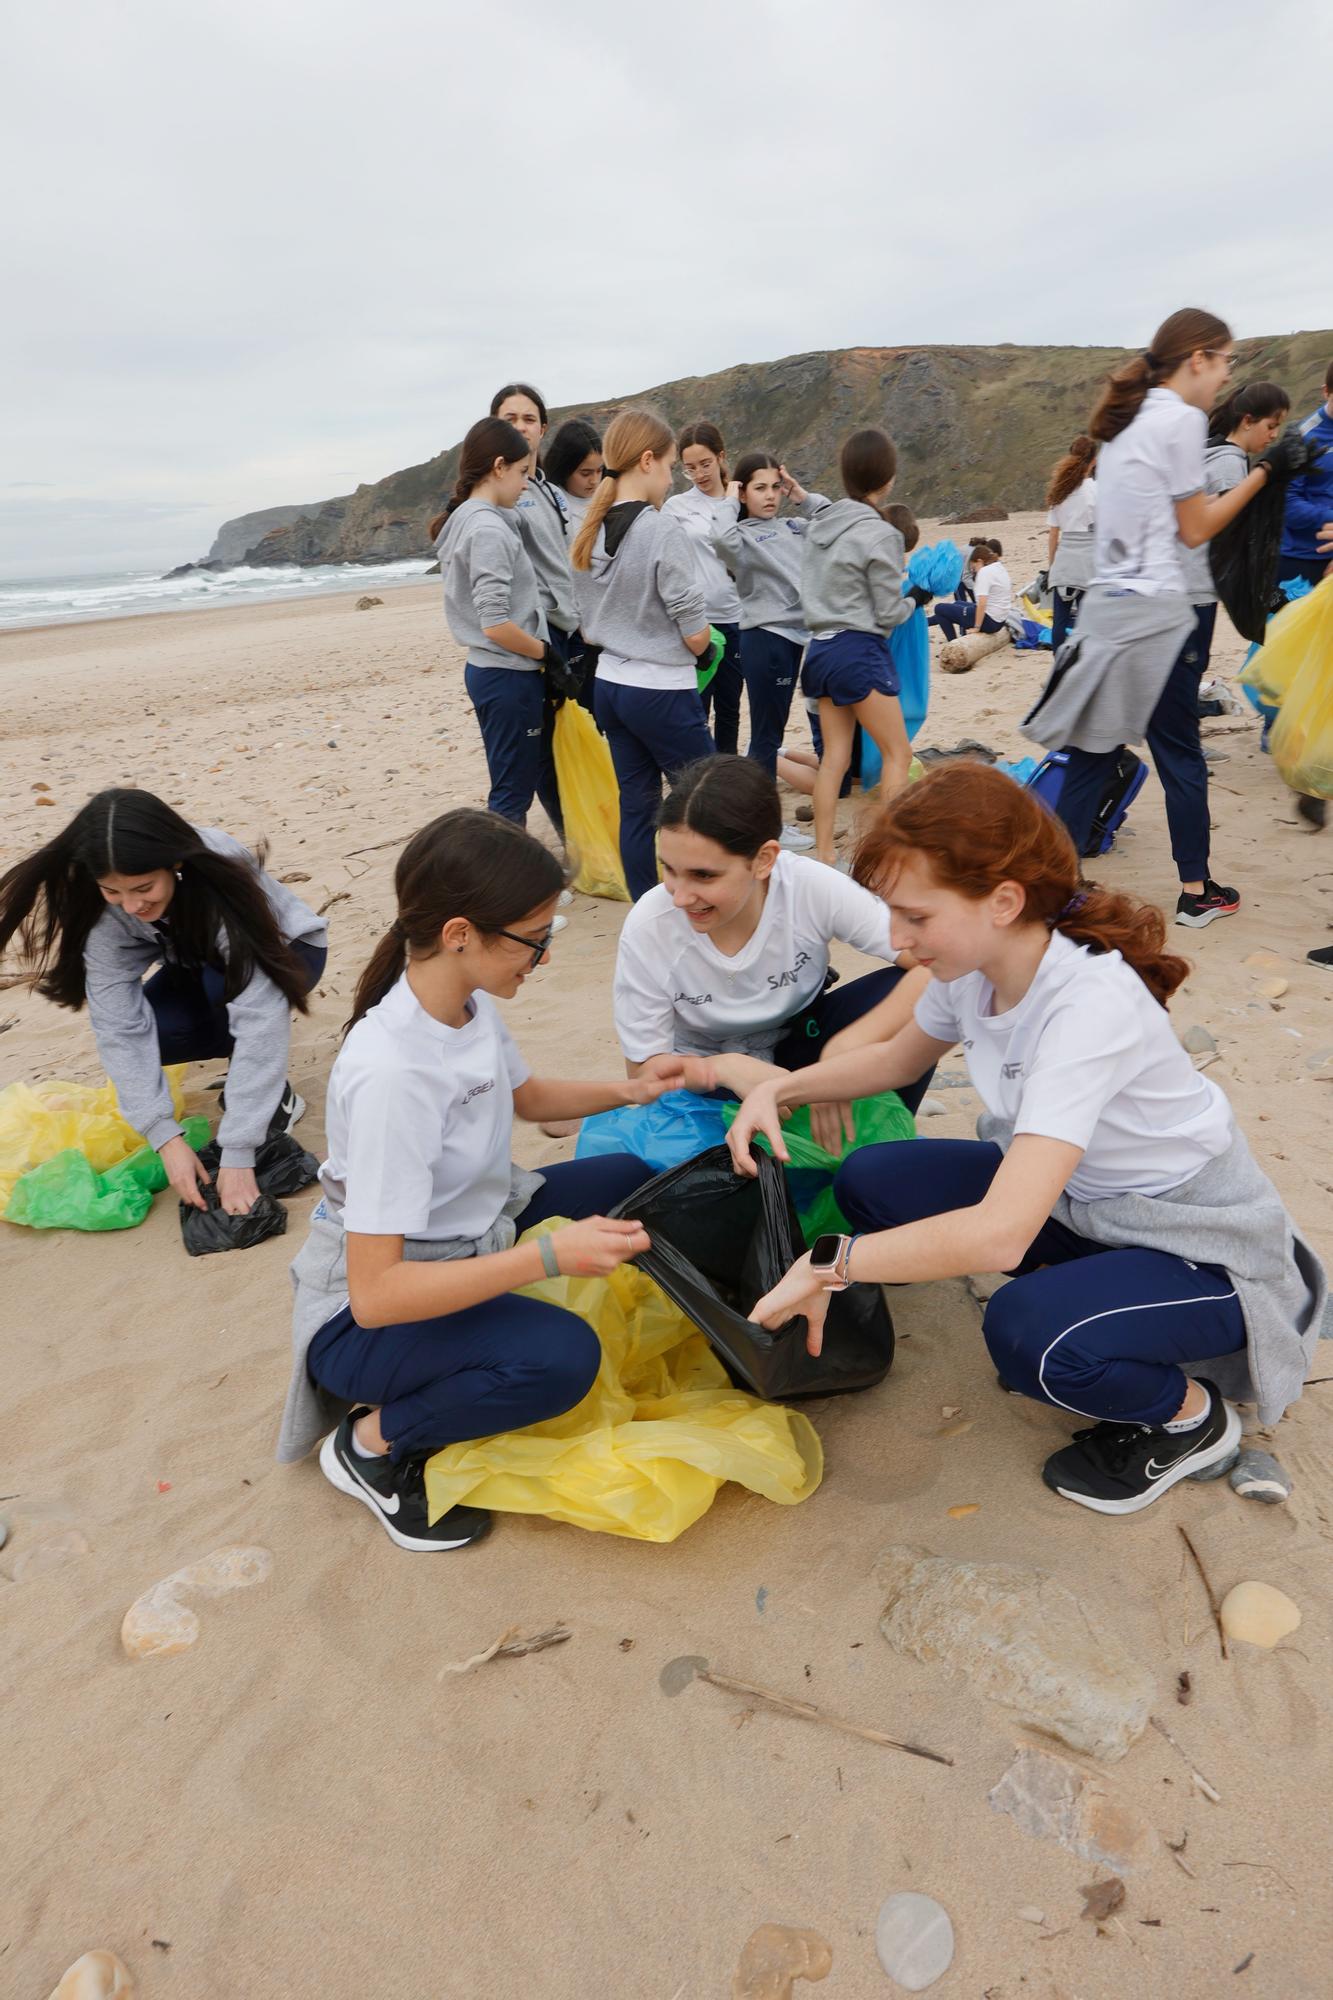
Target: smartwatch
[(829, 1258)]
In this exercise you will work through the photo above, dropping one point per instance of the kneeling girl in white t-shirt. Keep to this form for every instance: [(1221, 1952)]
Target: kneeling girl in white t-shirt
[(405, 1306), (727, 959), (1110, 1178)]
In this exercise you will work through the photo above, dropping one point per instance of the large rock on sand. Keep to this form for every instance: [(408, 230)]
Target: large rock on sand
[(1022, 1639)]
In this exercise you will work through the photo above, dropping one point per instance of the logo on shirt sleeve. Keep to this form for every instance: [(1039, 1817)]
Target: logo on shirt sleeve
[(477, 1090), (1010, 1070)]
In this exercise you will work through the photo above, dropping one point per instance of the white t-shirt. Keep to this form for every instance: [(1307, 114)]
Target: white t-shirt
[(1076, 515), (674, 990), (1087, 1056), (576, 506), (419, 1121), (699, 515), (993, 583), (1155, 461)]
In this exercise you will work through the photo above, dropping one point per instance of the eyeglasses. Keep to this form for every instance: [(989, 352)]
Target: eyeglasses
[(1218, 354), (537, 946)]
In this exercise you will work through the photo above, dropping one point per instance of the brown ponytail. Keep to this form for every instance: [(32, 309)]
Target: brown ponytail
[(628, 436), (976, 828), (1172, 345), (489, 438), (1069, 472)]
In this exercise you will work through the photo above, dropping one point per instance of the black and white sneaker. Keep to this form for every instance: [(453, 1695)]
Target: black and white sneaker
[(396, 1495), (1120, 1468), (290, 1111), (1321, 955), (1196, 911)]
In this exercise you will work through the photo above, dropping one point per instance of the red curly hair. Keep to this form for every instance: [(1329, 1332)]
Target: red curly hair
[(975, 828)]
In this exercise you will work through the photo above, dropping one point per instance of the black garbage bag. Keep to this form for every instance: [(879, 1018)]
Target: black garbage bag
[(282, 1165), (720, 1242), (1244, 557), (205, 1230)]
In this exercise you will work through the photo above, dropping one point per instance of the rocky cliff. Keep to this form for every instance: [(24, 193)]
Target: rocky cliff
[(973, 425), (233, 538)]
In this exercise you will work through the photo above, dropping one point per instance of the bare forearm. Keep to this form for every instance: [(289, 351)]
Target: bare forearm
[(408, 1292), (513, 639), (952, 1245), (547, 1098), (1217, 509), (861, 1073), (1052, 544), (740, 1073)]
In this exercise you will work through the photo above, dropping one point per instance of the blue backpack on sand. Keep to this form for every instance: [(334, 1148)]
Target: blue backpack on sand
[(1123, 786)]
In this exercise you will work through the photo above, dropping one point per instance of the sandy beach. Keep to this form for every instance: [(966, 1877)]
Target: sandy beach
[(299, 1805)]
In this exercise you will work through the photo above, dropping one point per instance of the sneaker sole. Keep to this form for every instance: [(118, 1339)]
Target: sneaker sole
[(337, 1475), (1206, 916), (1220, 1448)]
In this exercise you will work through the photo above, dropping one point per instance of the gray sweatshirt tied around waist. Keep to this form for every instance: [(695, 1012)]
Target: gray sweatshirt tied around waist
[(765, 559), (488, 578), (852, 572), (639, 600), (543, 522)]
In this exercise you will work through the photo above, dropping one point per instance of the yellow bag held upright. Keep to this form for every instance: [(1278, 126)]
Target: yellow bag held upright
[(1300, 633), (590, 801), (1301, 739)]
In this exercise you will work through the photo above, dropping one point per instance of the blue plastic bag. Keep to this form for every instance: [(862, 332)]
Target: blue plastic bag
[(676, 1128), (936, 567)]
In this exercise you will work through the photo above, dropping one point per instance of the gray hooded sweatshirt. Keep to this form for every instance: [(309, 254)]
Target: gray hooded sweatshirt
[(852, 572), (640, 597), (120, 950), (543, 522), (765, 559), (488, 578)]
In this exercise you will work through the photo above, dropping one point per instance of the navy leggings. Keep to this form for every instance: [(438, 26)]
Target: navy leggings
[(1103, 1339), (1064, 615), (771, 666), (190, 1010), (495, 1367), (958, 617), (722, 696), (651, 733), (831, 1011), (516, 727)]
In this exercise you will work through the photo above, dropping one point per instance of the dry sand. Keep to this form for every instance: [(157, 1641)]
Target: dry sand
[(298, 1806)]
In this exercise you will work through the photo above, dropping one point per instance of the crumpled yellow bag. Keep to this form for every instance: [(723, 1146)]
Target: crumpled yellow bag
[(1300, 634), (590, 802), (645, 1452), (1301, 739), (42, 1119)]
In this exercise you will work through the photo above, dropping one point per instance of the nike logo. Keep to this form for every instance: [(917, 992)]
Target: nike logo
[(389, 1503), (1152, 1470)]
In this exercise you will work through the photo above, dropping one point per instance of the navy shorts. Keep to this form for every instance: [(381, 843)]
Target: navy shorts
[(848, 667)]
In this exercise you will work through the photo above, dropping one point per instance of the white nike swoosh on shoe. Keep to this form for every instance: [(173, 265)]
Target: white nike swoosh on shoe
[(382, 1500), (1152, 1470)]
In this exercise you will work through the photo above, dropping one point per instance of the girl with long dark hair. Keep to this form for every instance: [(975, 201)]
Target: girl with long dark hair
[(129, 884), (542, 516), (1156, 1272), (407, 1334), (700, 510), (572, 462), (1241, 426)]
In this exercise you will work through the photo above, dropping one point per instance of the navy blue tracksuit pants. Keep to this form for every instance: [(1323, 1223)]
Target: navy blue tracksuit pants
[(516, 725), (771, 666), (1102, 1333), (835, 1009), (490, 1368), (1176, 750), (651, 733), (191, 1012), (722, 696), (957, 618)]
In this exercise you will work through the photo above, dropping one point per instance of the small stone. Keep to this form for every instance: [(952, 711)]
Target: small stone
[(677, 1674), (774, 1956), (1206, 1473), (98, 1975), (914, 1940), (1052, 1799), (53, 1553), (1197, 1040), (368, 603), (1273, 989), (931, 1107), (1257, 1475), (158, 1622), (1263, 961), (1258, 1613), (1030, 1914)]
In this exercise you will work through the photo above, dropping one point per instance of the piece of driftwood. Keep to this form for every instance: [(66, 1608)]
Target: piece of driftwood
[(959, 656), (807, 1712)]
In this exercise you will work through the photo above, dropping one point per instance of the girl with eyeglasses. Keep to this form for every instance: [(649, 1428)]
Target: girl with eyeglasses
[(407, 1335)]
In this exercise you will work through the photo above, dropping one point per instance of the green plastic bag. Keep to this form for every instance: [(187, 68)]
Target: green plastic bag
[(709, 662), (878, 1121), (67, 1192)]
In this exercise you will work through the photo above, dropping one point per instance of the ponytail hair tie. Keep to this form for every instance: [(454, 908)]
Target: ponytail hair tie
[(1150, 358), (608, 474), (1071, 908)]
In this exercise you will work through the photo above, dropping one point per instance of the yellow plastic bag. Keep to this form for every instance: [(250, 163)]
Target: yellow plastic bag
[(1301, 739), (1299, 635), (40, 1120), (658, 1433), (590, 801)]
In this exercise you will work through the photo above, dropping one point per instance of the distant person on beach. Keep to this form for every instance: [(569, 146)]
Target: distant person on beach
[(1134, 672), (1245, 423), (1307, 528), (572, 462), (641, 603), (727, 959), (762, 552), (129, 885), (542, 516), (406, 1332), (1155, 1271), (703, 460), (852, 597), (991, 601), (1071, 500), (494, 609)]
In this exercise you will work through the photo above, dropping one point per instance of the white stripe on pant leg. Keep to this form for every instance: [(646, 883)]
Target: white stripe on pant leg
[(1155, 1305)]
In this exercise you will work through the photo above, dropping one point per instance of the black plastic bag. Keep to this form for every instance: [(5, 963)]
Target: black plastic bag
[(282, 1165), (1244, 557), (205, 1230), (719, 1242)]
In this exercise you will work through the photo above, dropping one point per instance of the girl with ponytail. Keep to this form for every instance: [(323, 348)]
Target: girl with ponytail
[(1244, 424), (641, 604), (1071, 500), (405, 1305), (701, 509), (494, 609), (1135, 668), (130, 885), (1109, 1178)]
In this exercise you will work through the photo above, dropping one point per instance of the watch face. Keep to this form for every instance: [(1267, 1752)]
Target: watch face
[(825, 1252)]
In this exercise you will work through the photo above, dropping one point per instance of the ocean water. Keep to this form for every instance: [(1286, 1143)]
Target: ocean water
[(59, 600)]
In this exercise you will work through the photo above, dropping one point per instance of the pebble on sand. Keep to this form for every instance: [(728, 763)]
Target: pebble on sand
[(98, 1975), (774, 1956), (914, 1940), (1052, 1799), (1207, 1473), (1256, 1475), (1198, 1041), (1258, 1613)]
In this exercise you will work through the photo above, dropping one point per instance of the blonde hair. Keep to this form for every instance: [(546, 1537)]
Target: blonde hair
[(626, 438)]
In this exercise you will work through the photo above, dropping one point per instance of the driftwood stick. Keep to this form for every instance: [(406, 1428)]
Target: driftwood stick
[(510, 1646), (376, 845), (1209, 1592), (1209, 1791), (807, 1712)]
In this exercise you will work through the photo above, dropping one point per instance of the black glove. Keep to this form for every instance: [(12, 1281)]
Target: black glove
[(1043, 582), (1291, 455), (920, 595), (563, 677)]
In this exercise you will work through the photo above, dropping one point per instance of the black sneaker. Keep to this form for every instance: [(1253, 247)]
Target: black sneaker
[(1313, 811), (290, 1111), (1323, 956), (1120, 1468), (1196, 911), (396, 1494)]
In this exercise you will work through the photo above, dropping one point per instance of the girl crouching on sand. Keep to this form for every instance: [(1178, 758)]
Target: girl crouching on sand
[(1110, 1178), (405, 1305), (128, 885)]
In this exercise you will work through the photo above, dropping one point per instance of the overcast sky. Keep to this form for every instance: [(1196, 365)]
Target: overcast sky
[(261, 253)]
